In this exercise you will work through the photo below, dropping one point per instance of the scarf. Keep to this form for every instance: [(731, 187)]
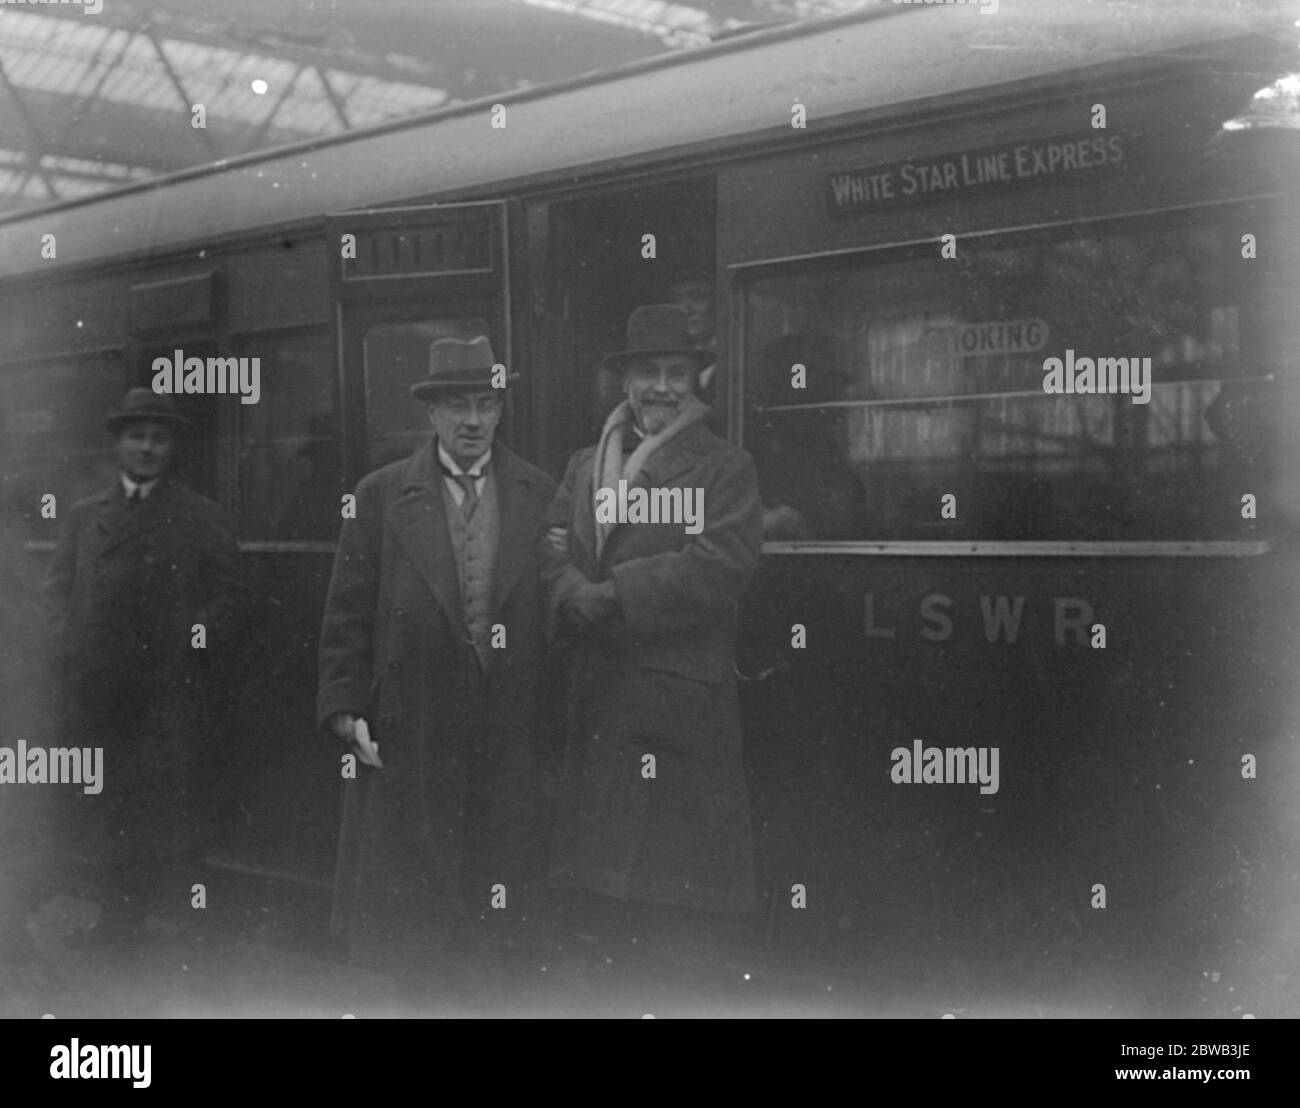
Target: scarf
[(609, 468)]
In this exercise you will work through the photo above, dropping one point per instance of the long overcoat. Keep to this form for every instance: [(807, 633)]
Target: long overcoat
[(663, 685), (393, 652), (126, 588)]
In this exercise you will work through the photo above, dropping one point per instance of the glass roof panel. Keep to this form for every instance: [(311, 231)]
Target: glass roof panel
[(121, 86)]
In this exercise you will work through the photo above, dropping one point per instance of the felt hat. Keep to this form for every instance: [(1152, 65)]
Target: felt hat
[(654, 330), (458, 365), (140, 405)]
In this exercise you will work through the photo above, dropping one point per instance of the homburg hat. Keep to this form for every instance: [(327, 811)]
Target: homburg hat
[(140, 405), (457, 365), (658, 329)]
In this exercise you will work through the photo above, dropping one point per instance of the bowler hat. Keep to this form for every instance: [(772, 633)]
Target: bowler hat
[(457, 365), (140, 405), (657, 329)]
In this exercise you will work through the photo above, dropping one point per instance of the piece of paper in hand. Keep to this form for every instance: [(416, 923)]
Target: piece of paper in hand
[(369, 751)]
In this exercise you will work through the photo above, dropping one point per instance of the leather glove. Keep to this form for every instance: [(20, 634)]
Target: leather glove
[(594, 607)]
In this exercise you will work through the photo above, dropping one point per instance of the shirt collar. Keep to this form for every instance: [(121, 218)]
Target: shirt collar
[(129, 487), (476, 470)]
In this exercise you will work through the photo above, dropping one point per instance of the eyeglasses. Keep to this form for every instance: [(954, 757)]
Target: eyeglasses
[(461, 408)]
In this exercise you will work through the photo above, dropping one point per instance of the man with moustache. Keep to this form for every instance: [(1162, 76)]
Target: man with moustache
[(137, 570), (647, 615), (429, 660), (693, 295)]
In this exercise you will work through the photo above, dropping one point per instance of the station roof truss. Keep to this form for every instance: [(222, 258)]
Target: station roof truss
[(91, 101)]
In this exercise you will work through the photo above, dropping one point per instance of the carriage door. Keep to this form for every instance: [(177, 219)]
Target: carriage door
[(402, 278)]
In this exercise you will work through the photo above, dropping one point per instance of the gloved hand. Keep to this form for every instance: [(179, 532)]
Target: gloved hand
[(593, 608)]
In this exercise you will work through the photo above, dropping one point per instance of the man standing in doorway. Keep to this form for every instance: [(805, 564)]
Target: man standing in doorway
[(654, 812)]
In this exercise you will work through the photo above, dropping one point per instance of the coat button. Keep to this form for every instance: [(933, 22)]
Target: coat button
[(394, 666), (399, 613)]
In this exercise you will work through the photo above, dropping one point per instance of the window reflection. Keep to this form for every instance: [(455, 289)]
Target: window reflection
[(53, 438), (291, 466), (809, 489), (924, 377)]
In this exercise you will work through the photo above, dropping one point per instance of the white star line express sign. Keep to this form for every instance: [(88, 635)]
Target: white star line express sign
[(857, 191)]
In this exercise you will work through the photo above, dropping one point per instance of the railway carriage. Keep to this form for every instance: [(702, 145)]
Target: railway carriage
[(906, 215)]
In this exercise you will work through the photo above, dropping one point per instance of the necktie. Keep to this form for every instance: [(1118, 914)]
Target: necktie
[(467, 506), (133, 498), (466, 482)]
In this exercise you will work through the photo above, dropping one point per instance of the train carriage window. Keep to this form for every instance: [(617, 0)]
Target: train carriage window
[(54, 438), (873, 390), (290, 461), (396, 357)]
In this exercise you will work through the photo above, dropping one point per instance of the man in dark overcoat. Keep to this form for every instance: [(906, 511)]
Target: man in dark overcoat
[(148, 600), (654, 806), (429, 662)]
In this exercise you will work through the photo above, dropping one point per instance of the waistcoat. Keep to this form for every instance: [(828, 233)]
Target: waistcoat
[(474, 543)]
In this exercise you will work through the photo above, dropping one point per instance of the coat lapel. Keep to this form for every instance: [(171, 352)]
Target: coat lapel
[(583, 538), (677, 456), (117, 523), (420, 521), (517, 541)]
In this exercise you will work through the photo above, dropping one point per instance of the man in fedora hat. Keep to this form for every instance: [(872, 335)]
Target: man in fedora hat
[(654, 809), (694, 294), (137, 570), (429, 657)]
